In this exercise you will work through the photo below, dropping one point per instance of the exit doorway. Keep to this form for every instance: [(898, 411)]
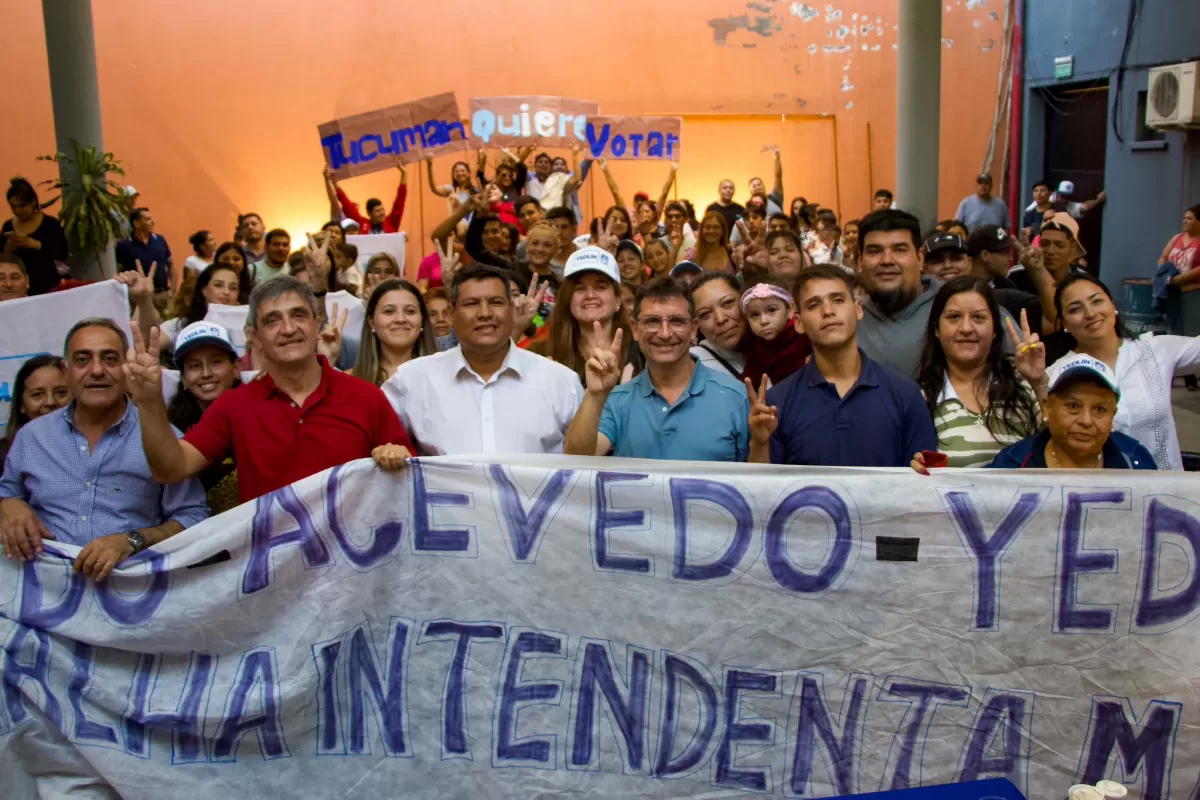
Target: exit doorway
[(1076, 135)]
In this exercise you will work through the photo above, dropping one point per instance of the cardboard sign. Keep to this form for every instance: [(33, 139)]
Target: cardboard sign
[(634, 137), (529, 119), (381, 139), (558, 627)]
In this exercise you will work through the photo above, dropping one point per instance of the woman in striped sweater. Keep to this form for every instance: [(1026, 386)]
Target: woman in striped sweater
[(980, 399)]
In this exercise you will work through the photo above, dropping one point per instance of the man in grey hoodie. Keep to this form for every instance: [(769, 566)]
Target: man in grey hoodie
[(899, 297)]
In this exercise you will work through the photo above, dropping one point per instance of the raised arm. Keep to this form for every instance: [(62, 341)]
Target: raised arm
[(140, 285), (577, 177), (446, 227), (350, 210), (440, 191), (778, 190), (612, 183), (393, 219), (1043, 281), (335, 208), (481, 166), (603, 372), (171, 460), (666, 190), (1088, 205), (473, 241)]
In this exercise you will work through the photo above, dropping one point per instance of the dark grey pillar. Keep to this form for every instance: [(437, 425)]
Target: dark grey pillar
[(74, 87), (918, 108)]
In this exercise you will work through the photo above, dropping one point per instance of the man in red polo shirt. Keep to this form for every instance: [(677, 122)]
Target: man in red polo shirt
[(299, 417)]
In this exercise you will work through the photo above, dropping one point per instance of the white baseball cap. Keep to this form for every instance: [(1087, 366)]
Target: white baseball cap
[(592, 259), (1066, 187), (1083, 365), (199, 334), (130, 191), (348, 223)]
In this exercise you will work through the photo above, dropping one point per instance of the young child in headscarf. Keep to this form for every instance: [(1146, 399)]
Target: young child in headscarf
[(775, 348)]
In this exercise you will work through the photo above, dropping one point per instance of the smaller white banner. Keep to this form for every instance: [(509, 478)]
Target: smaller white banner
[(36, 325)]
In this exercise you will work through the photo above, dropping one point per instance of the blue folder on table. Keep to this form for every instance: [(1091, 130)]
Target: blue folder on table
[(991, 789)]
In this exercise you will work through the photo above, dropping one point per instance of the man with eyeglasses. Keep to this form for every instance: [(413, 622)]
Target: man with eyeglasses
[(79, 476), (677, 408)]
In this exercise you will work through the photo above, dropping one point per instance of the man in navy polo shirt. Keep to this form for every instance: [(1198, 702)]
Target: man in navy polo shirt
[(677, 408), (148, 247), (841, 409)]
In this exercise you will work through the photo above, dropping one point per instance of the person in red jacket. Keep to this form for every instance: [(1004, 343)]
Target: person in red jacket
[(375, 221)]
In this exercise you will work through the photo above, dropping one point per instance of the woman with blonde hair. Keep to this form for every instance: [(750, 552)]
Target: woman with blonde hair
[(379, 268), (396, 329)]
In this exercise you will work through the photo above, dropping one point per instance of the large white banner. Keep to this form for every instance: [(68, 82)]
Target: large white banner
[(35, 325), (560, 626)]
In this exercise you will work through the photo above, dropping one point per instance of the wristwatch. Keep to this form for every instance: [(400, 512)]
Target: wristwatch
[(136, 541)]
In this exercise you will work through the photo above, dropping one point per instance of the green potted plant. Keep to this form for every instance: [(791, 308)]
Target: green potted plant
[(93, 204)]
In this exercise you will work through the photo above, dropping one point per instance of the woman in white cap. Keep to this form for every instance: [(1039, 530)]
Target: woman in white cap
[(590, 293), (207, 369), (1080, 410), (1144, 367)]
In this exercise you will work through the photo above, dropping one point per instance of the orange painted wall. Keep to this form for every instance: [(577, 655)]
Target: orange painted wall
[(213, 106)]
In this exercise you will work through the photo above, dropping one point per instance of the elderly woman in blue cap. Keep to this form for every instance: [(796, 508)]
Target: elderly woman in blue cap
[(1079, 410)]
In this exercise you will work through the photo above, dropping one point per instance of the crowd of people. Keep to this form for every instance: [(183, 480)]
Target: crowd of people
[(757, 331)]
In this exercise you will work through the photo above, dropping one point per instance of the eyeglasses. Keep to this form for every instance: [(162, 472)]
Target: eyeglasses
[(674, 324)]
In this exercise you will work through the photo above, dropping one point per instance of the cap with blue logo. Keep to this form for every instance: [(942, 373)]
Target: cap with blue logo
[(1083, 366), (199, 334), (592, 259)]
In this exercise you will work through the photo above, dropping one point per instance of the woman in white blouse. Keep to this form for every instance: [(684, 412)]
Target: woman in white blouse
[(1144, 367)]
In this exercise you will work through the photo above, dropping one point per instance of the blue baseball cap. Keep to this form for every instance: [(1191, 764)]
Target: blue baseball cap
[(685, 267)]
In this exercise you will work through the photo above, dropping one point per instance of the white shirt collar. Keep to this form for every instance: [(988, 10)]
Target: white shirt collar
[(948, 392), (512, 361)]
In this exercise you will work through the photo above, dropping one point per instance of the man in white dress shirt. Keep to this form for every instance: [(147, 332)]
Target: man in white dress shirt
[(486, 395)]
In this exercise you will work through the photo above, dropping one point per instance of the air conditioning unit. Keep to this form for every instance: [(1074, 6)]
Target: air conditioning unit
[(1173, 97)]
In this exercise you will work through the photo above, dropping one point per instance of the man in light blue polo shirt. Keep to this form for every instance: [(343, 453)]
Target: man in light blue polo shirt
[(677, 408)]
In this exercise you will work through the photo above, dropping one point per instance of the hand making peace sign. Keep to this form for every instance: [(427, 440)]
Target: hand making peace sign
[(605, 238), (764, 419), (140, 282), (525, 306), (448, 259), (1030, 358), (143, 373), (317, 258), (603, 369), (329, 340)]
